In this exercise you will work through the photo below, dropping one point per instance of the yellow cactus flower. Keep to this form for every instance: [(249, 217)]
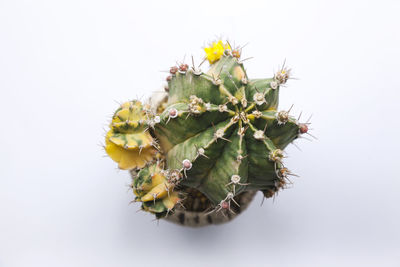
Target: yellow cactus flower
[(215, 51)]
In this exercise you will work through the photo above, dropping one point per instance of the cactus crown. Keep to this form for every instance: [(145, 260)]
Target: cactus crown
[(219, 132)]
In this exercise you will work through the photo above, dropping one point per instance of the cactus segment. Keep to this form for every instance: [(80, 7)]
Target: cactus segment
[(215, 183), (264, 96), (280, 134), (174, 130), (183, 85), (262, 171), (211, 141), (229, 74)]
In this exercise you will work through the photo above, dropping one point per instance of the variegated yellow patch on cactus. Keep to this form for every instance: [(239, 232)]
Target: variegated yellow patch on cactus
[(128, 142), (154, 187)]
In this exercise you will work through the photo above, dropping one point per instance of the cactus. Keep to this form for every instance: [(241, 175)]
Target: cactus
[(219, 133)]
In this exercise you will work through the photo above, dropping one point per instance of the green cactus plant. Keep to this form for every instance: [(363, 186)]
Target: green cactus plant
[(219, 133)]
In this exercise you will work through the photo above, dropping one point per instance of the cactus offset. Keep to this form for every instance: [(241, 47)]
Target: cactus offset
[(154, 188), (128, 142), (218, 132)]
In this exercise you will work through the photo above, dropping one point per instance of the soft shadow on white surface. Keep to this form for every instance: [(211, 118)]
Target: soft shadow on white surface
[(63, 64)]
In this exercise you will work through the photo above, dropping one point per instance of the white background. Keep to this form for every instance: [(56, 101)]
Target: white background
[(63, 64)]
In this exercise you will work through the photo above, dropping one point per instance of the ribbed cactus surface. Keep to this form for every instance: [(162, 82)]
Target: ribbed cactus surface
[(219, 132)]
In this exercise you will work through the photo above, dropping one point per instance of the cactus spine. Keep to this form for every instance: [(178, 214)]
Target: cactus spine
[(218, 132)]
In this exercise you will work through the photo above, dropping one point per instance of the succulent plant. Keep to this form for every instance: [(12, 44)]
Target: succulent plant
[(218, 134)]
